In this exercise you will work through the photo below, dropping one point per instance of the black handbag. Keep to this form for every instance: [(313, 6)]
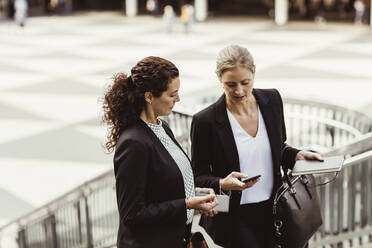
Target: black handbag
[(296, 212)]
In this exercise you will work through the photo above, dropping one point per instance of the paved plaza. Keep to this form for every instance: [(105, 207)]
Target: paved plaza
[(54, 71)]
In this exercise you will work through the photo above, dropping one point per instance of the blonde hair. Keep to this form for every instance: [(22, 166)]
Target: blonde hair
[(234, 56)]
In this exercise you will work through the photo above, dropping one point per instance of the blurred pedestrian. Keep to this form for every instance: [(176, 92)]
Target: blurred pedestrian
[(359, 7), (319, 7), (341, 8), (187, 17), (20, 15), (152, 6), (168, 17), (301, 6)]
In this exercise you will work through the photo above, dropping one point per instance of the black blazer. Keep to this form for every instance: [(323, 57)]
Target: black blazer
[(214, 153), (150, 191)]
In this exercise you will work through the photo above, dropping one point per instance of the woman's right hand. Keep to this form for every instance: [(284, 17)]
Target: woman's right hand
[(232, 182), (204, 204)]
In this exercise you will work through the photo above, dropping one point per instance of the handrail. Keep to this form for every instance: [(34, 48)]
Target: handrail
[(49, 206), (328, 108), (360, 144), (83, 204), (346, 205), (357, 159), (326, 121), (323, 105)]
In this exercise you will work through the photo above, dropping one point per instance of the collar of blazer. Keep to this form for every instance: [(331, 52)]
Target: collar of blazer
[(221, 114), (225, 132), (153, 136)]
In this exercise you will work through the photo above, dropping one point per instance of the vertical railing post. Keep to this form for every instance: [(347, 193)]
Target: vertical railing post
[(331, 131), (370, 14), (340, 202), (53, 230), (21, 239), (78, 213), (364, 194), (369, 193), (89, 225), (332, 207)]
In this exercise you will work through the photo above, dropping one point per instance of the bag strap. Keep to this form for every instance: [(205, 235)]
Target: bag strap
[(286, 180), (286, 176)]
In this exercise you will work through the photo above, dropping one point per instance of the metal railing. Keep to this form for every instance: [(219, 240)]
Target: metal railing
[(346, 203), (321, 125), (313, 125), (87, 216)]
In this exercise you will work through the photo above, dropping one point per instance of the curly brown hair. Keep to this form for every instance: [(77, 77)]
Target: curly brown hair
[(124, 100)]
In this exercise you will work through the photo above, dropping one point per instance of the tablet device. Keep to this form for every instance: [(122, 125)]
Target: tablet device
[(330, 164)]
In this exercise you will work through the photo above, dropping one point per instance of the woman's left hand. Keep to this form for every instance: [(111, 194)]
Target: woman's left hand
[(304, 155), (207, 191)]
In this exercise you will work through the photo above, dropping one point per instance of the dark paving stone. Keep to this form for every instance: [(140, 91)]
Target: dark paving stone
[(293, 72), (60, 86), (11, 202), (65, 144), (11, 112)]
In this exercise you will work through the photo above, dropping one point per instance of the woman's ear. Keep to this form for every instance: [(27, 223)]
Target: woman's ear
[(148, 97)]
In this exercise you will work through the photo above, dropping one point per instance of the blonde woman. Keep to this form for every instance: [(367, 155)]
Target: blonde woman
[(240, 136)]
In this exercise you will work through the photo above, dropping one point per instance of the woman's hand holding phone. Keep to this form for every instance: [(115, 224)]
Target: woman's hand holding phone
[(235, 181)]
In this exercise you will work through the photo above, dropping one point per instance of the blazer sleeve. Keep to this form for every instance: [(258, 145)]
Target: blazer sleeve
[(288, 153), (201, 155), (131, 162)]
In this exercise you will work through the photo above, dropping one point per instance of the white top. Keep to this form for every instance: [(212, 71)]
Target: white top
[(255, 159), (181, 160)]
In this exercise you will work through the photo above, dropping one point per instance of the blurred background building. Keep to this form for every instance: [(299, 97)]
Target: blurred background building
[(333, 10)]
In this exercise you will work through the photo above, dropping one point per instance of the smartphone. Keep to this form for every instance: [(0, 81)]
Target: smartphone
[(245, 180)]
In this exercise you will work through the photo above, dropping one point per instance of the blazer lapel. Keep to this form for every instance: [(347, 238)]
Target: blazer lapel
[(160, 147), (271, 119), (225, 134), (170, 134)]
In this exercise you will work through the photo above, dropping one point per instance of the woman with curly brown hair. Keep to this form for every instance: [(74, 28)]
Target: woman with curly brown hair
[(154, 180)]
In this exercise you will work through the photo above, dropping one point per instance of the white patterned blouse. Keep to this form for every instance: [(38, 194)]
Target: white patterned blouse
[(181, 160)]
